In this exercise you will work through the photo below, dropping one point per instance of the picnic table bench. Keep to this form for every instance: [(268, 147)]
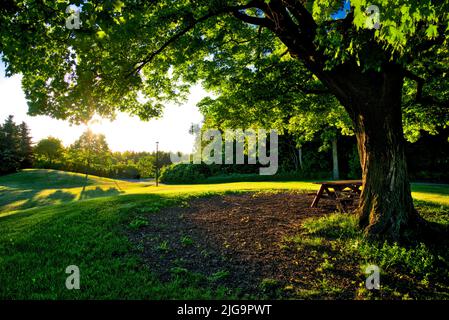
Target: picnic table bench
[(343, 192)]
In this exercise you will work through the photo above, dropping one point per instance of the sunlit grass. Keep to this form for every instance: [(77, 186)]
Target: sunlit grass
[(435, 193), (32, 188), (417, 262)]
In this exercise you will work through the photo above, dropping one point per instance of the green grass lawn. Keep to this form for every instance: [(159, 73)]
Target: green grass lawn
[(33, 188), (38, 244), (50, 220)]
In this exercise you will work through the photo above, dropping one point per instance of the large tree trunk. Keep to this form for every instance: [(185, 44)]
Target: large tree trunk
[(373, 101), (386, 205)]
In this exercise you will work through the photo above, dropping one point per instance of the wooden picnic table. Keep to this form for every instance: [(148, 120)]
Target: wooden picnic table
[(343, 192)]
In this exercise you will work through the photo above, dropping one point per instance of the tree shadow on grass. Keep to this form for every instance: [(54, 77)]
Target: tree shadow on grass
[(99, 192), (26, 199), (45, 179), (26, 190), (31, 198), (61, 196), (53, 198)]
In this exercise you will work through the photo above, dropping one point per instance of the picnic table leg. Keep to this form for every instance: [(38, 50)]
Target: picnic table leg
[(340, 205), (317, 197), (338, 191)]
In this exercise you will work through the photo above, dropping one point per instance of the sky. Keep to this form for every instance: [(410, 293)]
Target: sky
[(124, 133), (343, 11)]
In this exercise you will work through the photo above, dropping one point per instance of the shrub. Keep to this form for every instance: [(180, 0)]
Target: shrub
[(185, 173), (125, 171)]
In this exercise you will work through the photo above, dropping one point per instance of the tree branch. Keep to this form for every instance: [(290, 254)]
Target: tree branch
[(192, 25), (151, 56), (303, 17), (252, 20), (419, 81), (428, 44), (419, 98), (298, 36)]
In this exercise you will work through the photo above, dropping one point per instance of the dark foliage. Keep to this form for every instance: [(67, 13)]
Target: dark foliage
[(15, 146)]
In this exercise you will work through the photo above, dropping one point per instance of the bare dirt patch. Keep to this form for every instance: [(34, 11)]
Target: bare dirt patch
[(238, 241)]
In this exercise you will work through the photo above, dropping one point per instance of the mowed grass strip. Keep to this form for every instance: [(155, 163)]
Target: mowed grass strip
[(38, 187), (33, 188)]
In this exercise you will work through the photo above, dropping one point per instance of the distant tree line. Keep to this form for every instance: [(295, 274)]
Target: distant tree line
[(90, 154), (428, 158), (15, 146), (311, 160)]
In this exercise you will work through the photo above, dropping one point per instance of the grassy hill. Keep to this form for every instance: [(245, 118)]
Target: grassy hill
[(35, 188), (32, 188), (51, 219)]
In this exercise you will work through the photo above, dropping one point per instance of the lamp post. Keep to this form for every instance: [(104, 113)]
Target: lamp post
[(157, 163)]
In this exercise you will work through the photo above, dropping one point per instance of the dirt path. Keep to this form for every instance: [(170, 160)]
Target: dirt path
[(240, 241)]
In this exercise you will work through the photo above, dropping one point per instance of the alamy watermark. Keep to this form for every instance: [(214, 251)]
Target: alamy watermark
[(373, 19), (373, 280), (73, 21), (211, 148), (73, 280)]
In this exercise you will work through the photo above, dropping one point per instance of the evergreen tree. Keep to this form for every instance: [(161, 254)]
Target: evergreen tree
[(25, 147), (9, 147)]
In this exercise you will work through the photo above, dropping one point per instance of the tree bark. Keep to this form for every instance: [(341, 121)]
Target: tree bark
[(386, 205)]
